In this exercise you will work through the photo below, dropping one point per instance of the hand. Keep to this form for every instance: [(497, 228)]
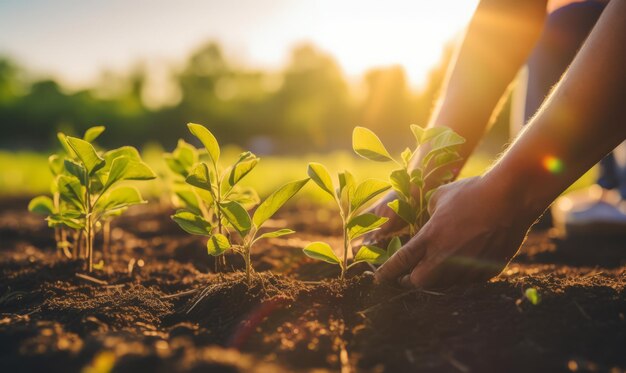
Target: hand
[(474, 231)]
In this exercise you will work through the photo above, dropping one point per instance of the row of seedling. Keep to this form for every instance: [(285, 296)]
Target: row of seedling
[(88, 191)]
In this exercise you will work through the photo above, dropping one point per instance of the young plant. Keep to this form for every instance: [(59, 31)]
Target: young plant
[(351, 198), (58, 212), (89, 186), (248, 228), (413, 183), (208, 188)]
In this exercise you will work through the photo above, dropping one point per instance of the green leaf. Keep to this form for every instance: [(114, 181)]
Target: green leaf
[(403, 210), (367, 190), (400, 182), (189, 199), (423, 135), (237, 216), (247, 197), (70, 191), (127, 151), (443, 159), (406, 156), (76, 169), (429, 195), (417, 177), (347, 183), (71, 219), (208, 140), (246, 163), (321, 251), (182, 158), (362, 224), (86, 153), (63, 141), (200, 177), (217, 244), (278, 233), (92, 133), (174, 165), (533, 296), (320, 175), (124, 168), (41, 205), (366, 144), (186, 153), (418, 132), (192, 223), (276, 200), (119, 198), (443, 141), (56, 165), (371, 254), (394, 245)]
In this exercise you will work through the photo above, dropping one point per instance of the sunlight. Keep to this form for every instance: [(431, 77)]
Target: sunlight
[(359, 34), (362, 35)]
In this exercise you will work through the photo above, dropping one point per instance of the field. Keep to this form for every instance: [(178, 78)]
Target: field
[(156, 306)]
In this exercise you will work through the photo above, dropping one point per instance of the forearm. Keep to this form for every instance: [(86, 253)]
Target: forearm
[(498, 41), (582, 120)]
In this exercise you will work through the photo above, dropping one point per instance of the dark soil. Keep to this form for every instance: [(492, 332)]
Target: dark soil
[(156, 306)]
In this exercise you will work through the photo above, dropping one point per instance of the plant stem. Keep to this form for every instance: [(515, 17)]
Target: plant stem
[(106, 239), (89, 224), (346, 247), (57, 238), (248, 264)]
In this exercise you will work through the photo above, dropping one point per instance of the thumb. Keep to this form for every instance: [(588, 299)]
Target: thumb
[(403, 261)]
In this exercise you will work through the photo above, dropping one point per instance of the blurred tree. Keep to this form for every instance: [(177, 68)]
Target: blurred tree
[(313, 102), (387, 106)]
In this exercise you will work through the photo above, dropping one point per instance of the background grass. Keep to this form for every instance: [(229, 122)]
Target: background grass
[(27, 174)]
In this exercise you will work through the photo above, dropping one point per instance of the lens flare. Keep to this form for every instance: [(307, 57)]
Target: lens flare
[(552, 164)]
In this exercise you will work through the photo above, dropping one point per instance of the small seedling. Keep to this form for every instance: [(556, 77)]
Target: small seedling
[(247, 228), (351, 198), (413, 183), (88, 186), (208, 189), (533, 296)]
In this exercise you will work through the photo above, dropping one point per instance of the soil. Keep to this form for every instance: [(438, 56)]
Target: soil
[(157, 306)]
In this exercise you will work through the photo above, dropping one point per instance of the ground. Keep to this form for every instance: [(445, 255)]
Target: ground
[(172, 314)]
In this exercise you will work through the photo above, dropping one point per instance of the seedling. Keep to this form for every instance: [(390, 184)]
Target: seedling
[(208, 189), (247, 228), (413, 183), (533, 296), (60, 215), (88, 186), (351, 198)]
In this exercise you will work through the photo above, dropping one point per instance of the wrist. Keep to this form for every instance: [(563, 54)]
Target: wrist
[(519, 191)]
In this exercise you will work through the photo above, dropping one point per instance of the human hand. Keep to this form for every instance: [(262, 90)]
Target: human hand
[(474, 231)]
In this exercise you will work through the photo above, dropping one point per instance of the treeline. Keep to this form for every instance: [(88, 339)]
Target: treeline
[(308, 106)]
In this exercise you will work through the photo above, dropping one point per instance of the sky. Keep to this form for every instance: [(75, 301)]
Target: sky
[(75, 40)]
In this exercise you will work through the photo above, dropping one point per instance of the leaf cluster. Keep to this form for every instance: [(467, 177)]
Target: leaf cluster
[(215, 205), (351, 199)]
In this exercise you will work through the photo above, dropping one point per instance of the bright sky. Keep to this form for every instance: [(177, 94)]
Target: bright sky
[(76, 39)]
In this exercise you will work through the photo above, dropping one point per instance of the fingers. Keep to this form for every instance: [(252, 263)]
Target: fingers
[(456, 270), (403, 261)]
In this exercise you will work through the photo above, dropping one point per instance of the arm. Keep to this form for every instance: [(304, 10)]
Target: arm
[(497, 43), (478, 224), (498, 40)]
